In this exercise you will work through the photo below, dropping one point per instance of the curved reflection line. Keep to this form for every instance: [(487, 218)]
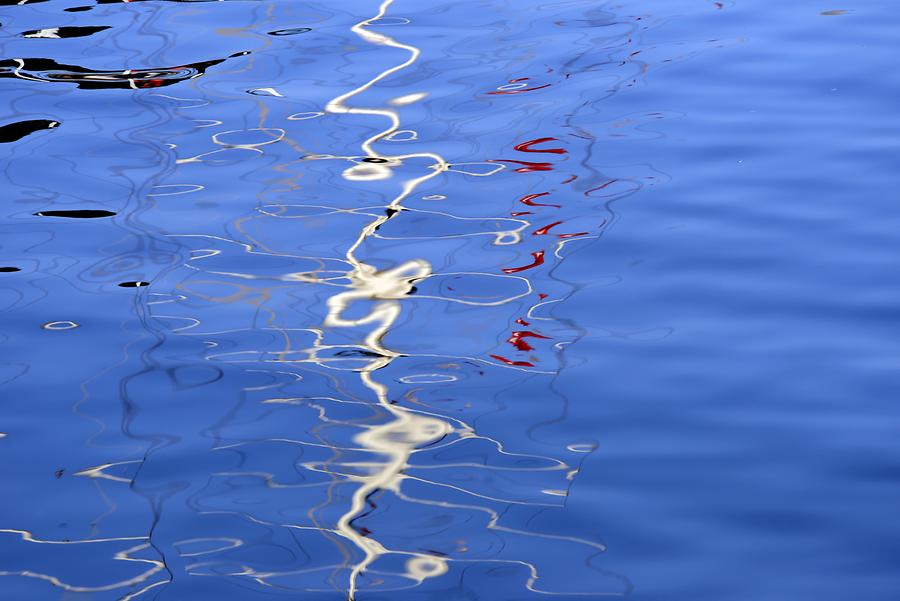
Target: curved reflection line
[(397, 439), (29, 537), (157, 565), (400, 438), (409, 430)]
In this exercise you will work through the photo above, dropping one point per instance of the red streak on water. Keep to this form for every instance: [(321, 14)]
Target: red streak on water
[(522, 322), (527, 146), (527, 200), (571, 235), (517, 340), (541, 295), (538, 260), (571, 179), (520, 213), (516, 363), (544, 230), (529, 166), (610, 182)]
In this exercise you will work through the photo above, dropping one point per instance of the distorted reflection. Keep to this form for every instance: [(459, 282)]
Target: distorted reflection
[(336, 372)]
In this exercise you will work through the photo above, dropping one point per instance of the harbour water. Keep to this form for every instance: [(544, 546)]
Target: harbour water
[(500, 300)]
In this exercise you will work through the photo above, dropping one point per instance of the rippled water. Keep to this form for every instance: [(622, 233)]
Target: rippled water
[(424, 300)]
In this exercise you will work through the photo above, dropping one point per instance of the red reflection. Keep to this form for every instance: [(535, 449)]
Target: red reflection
[(516, 363), (528, 165), (538, 260), (527, 146), (544, 230), (527, 200), (600, 187), (517, 340)]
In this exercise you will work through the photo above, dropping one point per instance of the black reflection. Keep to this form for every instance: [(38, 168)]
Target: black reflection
[(357, 353), (72, 31), (9, 269), (18, 130), (136, 284), (77, 214), (130, 1), (48, 70), (292, 31), (77, 9)]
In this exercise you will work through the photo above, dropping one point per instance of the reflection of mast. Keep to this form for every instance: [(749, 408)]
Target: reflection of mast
[(398, 438)]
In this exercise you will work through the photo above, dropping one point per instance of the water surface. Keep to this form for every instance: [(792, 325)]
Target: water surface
[(428, 300)]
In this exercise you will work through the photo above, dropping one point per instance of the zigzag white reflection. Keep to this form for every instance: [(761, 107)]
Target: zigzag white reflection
[(398, 438), (408, 430)]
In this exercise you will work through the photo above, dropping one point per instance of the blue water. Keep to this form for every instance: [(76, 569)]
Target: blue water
[(425, 300)]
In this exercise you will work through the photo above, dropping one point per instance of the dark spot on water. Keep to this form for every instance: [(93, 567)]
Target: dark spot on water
[(77, 214), (18, 130), (136, 284), (59, 473), (357, 353), (77, 9), (48, 70), (413, 290), (374, 160), (391, 212), (292, 31), (67, 32), (9, 269)]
